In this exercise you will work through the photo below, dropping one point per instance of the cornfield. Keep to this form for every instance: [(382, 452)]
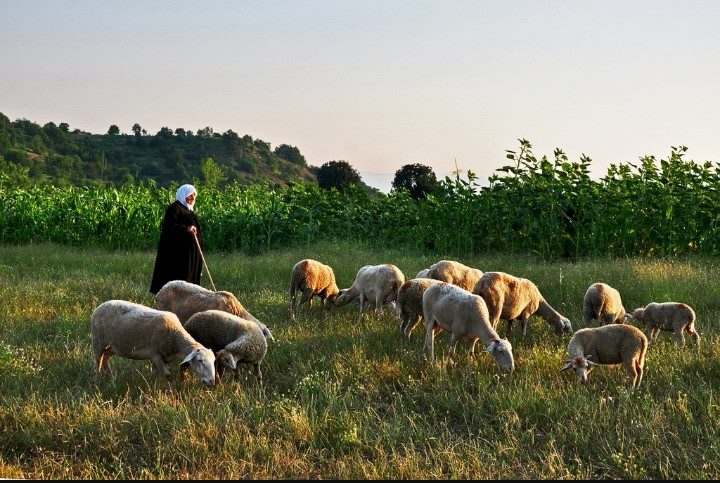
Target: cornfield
[(550, 208)]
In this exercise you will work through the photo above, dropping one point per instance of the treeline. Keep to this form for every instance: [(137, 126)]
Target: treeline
[(547, 206), (54, 154)]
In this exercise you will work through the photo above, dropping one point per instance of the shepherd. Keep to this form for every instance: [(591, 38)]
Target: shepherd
[(179, 253)]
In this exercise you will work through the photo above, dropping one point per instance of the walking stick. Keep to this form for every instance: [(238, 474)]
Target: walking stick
[(203, 260)]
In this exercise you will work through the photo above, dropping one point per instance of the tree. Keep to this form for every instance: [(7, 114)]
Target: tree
[(137, 129), (211, 172), (165, 133), (114, 130), (337, 174), (291, 154), (179, 131), (64, 127), (419, 180)]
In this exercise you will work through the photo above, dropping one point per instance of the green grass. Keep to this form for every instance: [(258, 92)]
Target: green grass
[(348, 400)]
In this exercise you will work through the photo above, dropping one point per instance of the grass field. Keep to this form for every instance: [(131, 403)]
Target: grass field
[(347, 400)]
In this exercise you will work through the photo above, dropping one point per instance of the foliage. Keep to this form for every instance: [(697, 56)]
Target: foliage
[(337, 174), (419, 180), (114, 130)]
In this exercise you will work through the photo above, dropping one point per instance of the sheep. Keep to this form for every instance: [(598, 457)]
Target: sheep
[(138, 332), (669, 316), (609, 344), (233, 339), (456, 273), (513, 298), (377, 283), (465, 315), (410, 303), (423, 273), (312, 278), (603, 303), (185, 299)]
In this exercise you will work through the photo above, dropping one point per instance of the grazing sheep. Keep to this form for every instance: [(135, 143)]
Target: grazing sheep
[(233, 338), (409, 303), (185, 299), (137, 332), (609, 344), (603, 303), (513, 298), (455, 273), (312, 278), (377, 283), (465, 316), (423, 273), (669, 316)]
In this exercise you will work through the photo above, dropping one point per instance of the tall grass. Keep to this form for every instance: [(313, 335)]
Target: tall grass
[(348, 400)]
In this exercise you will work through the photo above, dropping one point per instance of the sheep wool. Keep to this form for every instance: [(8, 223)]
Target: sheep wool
[(311, 278), (137, 332)]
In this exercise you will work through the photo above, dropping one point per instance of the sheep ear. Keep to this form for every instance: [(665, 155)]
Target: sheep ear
[(567, 366), (492, 346), (187, 360), (231, 361)]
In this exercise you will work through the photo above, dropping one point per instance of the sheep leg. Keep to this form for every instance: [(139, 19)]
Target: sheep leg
[(160, 365), (362, 306), (690, 329), (292, 303), (639, 370), (306, 296), (410, 326), (509, 328), (378, 305), (679, 337), (429, 347), (632, 375), (102, 358), (453, 342), (496, 309), (524, 323), (258, 373)]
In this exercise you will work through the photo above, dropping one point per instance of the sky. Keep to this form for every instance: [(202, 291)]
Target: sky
[(379, 84)]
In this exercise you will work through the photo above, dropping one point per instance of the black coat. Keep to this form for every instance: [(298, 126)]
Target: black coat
[(178, 257)]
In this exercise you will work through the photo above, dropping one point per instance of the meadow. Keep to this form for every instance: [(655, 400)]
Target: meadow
[(348, 400)]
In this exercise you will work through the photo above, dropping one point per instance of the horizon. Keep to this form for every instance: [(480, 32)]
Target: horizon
[(379, 84)]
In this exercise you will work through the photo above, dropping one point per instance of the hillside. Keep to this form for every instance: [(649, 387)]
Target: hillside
[(54, 152)]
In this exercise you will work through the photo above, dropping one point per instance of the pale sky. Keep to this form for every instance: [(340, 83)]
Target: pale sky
[(379, 84)]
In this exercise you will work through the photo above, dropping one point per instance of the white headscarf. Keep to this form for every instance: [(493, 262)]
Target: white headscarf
[(183, 192)]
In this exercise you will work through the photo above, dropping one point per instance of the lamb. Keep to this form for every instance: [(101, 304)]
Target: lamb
[(669, 316), (465, 315), (233, 339), (456, 273), (312, 278), (609, 344), (603, 303), (137, 332), (185, 299), (513, 298), (410, 303), (378, 283)]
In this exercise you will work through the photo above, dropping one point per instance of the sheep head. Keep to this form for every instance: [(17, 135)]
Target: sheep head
[(638, 314), (563, 326), (202, 362), (501, 350), (581, 365)]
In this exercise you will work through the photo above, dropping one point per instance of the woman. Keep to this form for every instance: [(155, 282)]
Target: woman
[(178, 257)]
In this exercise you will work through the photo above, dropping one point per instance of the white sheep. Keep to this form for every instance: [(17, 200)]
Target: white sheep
[(603, 303), (513, 298), (465, 316), (311, 278), (609, 344), (375, 283), (185, 299), (668, 316), (423, 273), (234, 340), (137, 332), (456, 273), (409, 303)]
